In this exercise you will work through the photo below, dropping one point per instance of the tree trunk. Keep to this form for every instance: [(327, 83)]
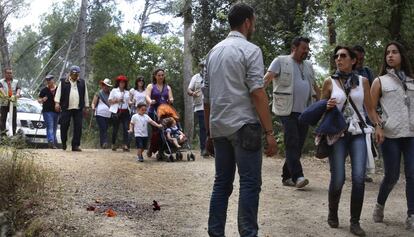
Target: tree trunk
[(332, 40), (4, 48), (396, 19), (143, 18), (188, 70), (82, 40)]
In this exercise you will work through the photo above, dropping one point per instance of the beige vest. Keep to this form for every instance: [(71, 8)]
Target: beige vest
[(14, 82), (283, 86), (398, 117)]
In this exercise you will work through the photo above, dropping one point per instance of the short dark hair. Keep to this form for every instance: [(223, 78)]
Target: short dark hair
[(296, 41), (358, 48), (351, 53), (139, 78), (141, 104), (238, 13), (405, 61)]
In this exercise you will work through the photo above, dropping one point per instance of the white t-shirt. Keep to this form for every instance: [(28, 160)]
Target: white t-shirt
[(103, 110), (117, 94), (140, 124), (138, 96)]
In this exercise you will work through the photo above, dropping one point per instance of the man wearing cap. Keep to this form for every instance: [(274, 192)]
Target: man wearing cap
[(9, 92), (194, 90), (71, 97), (50, 116), (100, 106)]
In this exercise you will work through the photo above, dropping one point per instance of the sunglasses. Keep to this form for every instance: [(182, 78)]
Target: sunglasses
[(340, 55)]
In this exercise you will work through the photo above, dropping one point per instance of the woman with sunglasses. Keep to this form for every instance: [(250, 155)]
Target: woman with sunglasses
[(339, 90), (394, 90)]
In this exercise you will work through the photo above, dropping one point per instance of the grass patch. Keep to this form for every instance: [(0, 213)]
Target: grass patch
[(24, 186)]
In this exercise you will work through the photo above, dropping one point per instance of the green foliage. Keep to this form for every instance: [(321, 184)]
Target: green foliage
[(25, 55), (370, 24), (133, 55)]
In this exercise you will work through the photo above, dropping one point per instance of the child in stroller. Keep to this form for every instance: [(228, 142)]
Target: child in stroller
[(173, 133)]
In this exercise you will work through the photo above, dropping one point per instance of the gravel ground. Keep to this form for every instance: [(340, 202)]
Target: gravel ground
[(100, 180)]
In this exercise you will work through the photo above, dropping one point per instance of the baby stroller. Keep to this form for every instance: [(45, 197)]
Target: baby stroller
[(167, 149)]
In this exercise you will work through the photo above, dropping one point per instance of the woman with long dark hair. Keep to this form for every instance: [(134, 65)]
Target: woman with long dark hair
[(394, 91), (350, 93), (119, 101), (157, 93), (138, 93)]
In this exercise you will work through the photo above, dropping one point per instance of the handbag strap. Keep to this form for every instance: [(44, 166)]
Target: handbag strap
[(364, 124)]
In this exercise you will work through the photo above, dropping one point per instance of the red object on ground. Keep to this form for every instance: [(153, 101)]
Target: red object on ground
[(110, 213)]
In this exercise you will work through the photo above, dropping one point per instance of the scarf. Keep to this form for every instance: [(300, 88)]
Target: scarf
[(352, 80)]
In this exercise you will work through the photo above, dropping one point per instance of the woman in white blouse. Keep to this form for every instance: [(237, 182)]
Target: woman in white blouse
[(119, 101), (137, 93)]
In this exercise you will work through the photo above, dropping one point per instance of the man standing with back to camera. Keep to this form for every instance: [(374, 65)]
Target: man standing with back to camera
[(236, 107)]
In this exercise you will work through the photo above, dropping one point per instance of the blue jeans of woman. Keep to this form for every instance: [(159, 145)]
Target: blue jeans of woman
[(103, 124), (51, 121), (392, 149), (231, 152), (355, 146)]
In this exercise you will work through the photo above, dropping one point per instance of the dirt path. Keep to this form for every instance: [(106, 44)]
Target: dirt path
[(183, 190)]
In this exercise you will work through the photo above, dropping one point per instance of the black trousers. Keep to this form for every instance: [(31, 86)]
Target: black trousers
[(4, 110), (65, 117)]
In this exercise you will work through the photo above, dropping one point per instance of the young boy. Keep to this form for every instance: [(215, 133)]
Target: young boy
[(139, 125)]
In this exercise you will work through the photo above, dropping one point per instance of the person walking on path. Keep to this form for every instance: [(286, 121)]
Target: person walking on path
[(138, 94), (70, 99), (394, 91), (234, 84), (350, 93), (100, 106), (194, 90), (10, 91), (119, 101), (157, 93), (293, 89), (139, 126), (50, 116)]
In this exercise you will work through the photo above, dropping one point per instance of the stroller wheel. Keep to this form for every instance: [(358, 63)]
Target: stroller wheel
[(192, 156), (188, 157), (171, 158), (159, 157)]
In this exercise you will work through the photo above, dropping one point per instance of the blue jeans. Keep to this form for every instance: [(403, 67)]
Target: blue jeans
[(392, 149), (231, 152), (356, 147), (202, 133), (294, 139), (103, 124), (51, 121)]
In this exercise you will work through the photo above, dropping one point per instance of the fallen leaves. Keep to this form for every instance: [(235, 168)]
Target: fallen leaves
[(110, 213)]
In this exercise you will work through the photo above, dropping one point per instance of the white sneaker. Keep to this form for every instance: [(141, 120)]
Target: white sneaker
[(301, 182)]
